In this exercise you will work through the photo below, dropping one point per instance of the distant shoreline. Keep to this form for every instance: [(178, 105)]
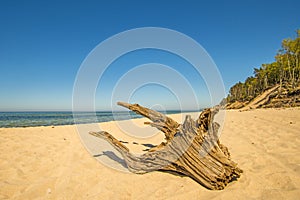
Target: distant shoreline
[(61, 118)]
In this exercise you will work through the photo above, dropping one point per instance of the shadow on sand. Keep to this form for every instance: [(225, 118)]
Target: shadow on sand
[(112, 156)]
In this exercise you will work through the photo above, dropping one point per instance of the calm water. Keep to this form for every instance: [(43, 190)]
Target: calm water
[(27, 119)]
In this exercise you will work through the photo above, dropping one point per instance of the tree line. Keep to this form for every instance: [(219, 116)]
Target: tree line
[(284, 71)]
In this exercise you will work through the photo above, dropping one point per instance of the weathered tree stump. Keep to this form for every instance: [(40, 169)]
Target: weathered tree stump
[(192, 149)]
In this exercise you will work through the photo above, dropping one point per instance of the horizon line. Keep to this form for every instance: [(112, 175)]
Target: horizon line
[(184, 110)]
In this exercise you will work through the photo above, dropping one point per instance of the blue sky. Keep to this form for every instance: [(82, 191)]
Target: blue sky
[(43, 43)]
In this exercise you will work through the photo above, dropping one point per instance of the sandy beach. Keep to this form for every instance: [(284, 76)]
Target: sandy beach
[(52, 163)]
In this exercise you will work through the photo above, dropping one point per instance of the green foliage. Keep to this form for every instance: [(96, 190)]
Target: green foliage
[(284, 71)]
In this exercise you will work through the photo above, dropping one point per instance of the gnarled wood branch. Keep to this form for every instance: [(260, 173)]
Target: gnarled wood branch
[(192, 148)]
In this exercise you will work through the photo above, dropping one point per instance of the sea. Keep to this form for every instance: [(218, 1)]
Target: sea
[(31, 119)]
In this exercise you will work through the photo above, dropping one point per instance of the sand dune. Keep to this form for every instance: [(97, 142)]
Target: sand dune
[(52, 163)]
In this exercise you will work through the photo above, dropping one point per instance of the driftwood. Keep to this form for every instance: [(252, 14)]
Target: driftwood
[(192, 149)]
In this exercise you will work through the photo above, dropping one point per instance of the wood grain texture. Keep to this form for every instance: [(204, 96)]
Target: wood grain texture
[(191, 148)]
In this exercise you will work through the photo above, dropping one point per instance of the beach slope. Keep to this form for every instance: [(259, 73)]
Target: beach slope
[(51, 163)]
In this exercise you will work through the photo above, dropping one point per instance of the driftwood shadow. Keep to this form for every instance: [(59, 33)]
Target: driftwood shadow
[(112, 156), (149, 145)]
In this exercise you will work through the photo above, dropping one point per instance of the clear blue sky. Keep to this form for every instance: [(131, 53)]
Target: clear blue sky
[(43, 43)]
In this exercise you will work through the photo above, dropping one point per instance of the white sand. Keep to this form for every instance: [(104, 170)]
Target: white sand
[(52, 163)]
